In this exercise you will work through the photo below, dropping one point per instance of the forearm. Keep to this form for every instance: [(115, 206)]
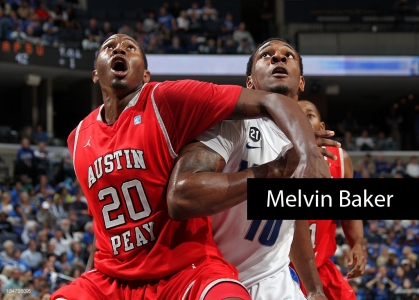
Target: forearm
[(303, 259), (285, 112), (90, 262), (354, 232)]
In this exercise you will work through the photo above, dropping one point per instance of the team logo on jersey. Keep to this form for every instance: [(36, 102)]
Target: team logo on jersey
[(254, 134), (88, 142), (137, 120)]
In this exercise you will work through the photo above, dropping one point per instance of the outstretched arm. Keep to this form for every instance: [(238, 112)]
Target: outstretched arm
[(197, 187), (304, 261), (289, 117), (354, 233)]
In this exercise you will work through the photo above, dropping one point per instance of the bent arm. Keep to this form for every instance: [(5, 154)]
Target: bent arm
[(289, 117), (304, 261), (197, 187)]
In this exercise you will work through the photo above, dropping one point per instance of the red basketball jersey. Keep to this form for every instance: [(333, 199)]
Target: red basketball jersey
[(323, 232), (337, 166), (124, 168)]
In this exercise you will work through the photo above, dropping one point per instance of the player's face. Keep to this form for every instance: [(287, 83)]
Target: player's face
[(120, 65), (312, 114), (276, 68)]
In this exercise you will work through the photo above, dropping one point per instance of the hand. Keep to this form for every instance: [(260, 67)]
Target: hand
[(322, 141), (356, 255), (312, 165)]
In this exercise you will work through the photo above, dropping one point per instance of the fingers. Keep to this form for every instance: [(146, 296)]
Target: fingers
[(323, 133), (328, 154), (322, 142)]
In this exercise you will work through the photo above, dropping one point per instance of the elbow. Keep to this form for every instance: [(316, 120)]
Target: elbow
[(177, 206)]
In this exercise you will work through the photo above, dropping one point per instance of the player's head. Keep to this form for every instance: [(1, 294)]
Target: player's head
[(276, 67), (312, 114), (121, 65)]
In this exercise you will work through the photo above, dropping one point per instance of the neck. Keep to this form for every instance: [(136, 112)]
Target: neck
[(114, 105)]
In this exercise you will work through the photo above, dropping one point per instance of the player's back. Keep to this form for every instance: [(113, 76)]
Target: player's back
[(258, 248)]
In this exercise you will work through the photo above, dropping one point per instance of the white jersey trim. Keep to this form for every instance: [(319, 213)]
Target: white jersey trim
[(342, 163), (187, 290), (76, 138), (161, 123)]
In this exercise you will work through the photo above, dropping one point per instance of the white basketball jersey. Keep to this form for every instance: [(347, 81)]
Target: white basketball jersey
[(258, 248)]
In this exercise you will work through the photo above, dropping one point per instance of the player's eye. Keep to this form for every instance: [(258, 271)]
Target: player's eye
[(264, 54), (290, 55)]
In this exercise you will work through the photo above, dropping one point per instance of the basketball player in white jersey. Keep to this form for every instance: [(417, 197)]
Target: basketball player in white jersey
[(260, 249)]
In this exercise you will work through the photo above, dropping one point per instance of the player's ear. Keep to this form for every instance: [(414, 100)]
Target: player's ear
[(94, 77), (322, 126), (249, 82), (146, 76), (302, 84)]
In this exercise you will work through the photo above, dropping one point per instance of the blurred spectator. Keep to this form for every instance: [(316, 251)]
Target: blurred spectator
[(208, 48), (195, 25), (381, 165), (45, 215), (43, 159), (63, 265), (127, 29), (383, 142), (194, 10), (107, 30), (29, 232), (241, 33), (14, 282), (25, 160), (175, 47), (183, 22), (42, 11), (18, 218), (365, 142), (367, 164), (61, 245), (348, 143), (5, 225), (25, 10), (31, 36), (6, 203), (381, 287), (228, 23), (398, 166), (18, 262), (412, 167), (359, 293), (245, 47), (166, 18), (40, 135), (79, 204), (208, 12), (94, 29), (150, 23), (193, 45), (88, 234), (90, 44), (7, 254), (4, 25), (406, 291), (76, 254), (18, 35), (230, 47), (28, 208)]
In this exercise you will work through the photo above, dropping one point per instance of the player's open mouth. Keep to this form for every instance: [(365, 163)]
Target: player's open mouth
[(119, 67), (280, 72)]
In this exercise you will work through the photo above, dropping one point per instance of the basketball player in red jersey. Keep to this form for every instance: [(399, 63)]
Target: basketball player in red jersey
[(323, 232), (123, 154)]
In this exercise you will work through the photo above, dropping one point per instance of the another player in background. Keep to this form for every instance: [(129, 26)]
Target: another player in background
[(206, 181), (123, 153), (323, 232)]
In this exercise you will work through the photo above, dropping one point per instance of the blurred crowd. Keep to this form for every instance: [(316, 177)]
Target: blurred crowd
[(171, 28)]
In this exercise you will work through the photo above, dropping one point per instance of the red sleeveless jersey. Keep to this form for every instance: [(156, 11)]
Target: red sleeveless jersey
[(124, 168), (323, 232)]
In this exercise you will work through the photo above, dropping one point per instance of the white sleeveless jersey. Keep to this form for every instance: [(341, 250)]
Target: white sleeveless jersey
[(258, 248)]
